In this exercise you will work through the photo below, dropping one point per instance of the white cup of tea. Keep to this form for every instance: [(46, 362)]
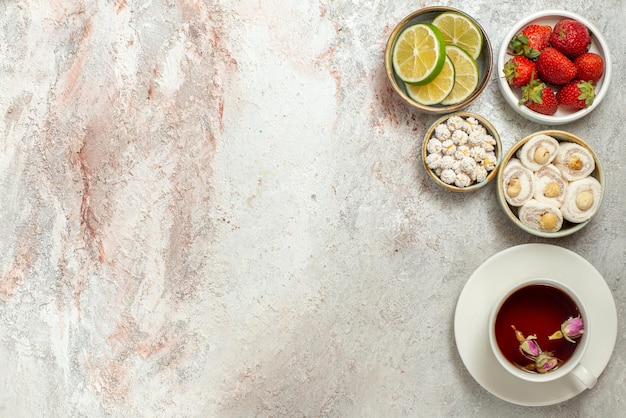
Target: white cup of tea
[(539, 331)]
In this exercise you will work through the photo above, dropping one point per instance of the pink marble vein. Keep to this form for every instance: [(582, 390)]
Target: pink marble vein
[(121, 165)]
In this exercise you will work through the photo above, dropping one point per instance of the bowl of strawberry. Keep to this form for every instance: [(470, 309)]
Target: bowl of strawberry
[(554, 67)]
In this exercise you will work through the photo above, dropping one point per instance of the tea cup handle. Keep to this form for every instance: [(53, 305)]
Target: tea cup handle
[(585, 376)]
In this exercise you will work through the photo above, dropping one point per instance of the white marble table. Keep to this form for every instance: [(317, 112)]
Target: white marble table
[(216, 209)]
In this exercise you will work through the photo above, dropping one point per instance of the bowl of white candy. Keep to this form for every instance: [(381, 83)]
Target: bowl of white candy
[(462, 152)]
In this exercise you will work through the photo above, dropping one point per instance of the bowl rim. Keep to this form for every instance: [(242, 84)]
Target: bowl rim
[(512, 99), (492, 130), (487, 50), (561, 136)]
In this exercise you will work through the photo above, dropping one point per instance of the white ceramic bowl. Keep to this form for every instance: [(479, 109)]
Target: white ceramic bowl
[(511, 212), (484, 61), (562, 116)]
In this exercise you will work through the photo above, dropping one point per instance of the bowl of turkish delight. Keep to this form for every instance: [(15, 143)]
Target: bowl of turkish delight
[(551, 184), (462, 151)]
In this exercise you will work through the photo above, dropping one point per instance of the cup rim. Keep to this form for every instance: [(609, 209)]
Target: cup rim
[(570, 364)]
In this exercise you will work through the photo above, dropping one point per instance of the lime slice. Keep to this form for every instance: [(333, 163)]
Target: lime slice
[(418, 54), (465, 75), (435, 91), (460, 31)]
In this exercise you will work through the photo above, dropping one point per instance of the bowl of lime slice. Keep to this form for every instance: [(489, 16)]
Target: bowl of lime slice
[(438, 59)]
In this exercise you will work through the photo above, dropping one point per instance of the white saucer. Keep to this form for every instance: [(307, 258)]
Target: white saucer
[(498, 274)]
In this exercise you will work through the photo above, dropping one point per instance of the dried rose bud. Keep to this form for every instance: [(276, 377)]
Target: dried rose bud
[(518, 334), (545, 362), (573, 328), (570, 329), (529, 347)]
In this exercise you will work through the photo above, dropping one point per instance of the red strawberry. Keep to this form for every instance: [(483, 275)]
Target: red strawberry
[(576, 95), (537, 96), (531, 40), (571, 37), (589, 67), (519, 70), (555, 68)]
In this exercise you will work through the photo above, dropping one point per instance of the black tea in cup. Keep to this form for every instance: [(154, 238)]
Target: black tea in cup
[(536, 312)]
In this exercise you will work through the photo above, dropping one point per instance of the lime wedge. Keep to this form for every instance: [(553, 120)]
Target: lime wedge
[(466, 75), (435, 91), (419, 53), (460, 31)]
